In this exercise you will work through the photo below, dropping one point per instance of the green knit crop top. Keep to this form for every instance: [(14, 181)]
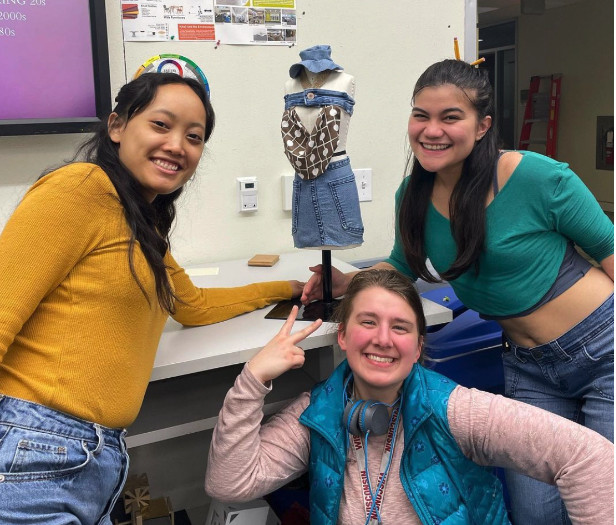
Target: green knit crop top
[(543, 206)]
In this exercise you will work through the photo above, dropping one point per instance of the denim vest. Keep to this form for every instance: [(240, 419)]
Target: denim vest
[(315, 97), (441, 483)]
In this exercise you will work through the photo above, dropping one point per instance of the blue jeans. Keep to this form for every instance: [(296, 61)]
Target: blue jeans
[(572, 376), (326, 209), (57, 469)]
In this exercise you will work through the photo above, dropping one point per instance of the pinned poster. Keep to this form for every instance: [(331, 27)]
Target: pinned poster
[(248, 22), (156, 20), (256, 22)]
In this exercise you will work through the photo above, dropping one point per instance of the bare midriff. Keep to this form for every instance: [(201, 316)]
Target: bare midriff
[(562, 313)]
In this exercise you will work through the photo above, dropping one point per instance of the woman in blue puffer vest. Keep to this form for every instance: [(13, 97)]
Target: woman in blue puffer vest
[(382, 425)]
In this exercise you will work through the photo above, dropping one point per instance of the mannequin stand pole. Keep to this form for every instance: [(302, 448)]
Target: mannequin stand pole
[(328, 302), (326, 260)]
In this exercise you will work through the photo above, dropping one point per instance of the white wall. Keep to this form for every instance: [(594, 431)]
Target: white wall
[(385, 48), (577, 41)]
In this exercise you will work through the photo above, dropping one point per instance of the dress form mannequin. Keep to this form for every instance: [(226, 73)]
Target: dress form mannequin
[(319, 100), (339, 82)]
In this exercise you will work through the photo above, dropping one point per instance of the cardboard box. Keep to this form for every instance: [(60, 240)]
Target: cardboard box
[(256, 512)]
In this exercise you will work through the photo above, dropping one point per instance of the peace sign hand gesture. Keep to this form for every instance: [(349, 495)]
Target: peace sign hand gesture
[(281, 353)]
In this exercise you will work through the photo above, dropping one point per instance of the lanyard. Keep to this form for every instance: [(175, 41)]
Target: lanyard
[(374, 500)]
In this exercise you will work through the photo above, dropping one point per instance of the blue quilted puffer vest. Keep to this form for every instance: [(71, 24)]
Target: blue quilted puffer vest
[(444, 487)]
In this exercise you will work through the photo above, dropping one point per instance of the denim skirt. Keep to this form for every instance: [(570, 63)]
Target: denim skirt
[(326, 210)]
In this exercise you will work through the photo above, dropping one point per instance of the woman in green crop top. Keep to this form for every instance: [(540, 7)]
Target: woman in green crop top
[(500, 227)]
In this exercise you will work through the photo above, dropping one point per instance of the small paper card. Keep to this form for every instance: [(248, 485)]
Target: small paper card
[(194, 272)]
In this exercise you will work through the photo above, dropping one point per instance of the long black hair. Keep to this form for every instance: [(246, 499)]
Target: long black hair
[(467, 202), (149, 223)]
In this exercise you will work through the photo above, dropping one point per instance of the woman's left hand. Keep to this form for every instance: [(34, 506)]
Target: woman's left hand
[(281, 353)]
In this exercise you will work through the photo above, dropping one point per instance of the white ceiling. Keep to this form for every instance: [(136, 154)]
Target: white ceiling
[(494, 11)]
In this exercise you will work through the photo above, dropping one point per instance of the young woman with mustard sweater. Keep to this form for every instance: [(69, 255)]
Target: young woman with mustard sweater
[(86, 285)]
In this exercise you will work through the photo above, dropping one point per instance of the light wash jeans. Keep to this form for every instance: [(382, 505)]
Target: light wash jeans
[(326, 209), (57, 469), (572, 376)]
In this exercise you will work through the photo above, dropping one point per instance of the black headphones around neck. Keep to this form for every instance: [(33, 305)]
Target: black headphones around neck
[(361, 417)]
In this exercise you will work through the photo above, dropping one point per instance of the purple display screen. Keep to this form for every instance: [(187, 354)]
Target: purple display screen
[(46, 64)]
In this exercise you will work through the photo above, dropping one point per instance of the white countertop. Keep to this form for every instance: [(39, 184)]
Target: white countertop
[(186, 350)]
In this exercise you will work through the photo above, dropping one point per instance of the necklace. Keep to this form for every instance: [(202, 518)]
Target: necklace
[(319, 80)]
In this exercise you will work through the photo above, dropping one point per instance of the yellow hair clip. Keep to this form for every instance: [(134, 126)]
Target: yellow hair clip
[(456, 51)]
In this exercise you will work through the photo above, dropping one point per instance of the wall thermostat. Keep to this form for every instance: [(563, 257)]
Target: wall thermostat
[(247, 191)]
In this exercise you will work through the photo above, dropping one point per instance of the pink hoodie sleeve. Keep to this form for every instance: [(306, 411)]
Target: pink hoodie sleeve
[(493, 430), (248, 460)]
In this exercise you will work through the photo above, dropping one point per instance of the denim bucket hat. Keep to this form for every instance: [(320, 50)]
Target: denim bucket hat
[(314, 59)]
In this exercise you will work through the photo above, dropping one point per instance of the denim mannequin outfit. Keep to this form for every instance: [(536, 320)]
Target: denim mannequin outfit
[(325, 205)]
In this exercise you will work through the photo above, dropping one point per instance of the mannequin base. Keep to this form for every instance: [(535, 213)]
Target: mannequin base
[(312, 312)]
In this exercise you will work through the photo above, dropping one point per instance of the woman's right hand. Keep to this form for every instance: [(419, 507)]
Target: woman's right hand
[(281, 353), (313, 289)]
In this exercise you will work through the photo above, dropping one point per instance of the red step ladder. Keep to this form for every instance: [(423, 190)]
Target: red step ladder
[(542, 106)]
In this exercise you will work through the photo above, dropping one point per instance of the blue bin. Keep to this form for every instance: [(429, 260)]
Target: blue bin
[(468, 351)]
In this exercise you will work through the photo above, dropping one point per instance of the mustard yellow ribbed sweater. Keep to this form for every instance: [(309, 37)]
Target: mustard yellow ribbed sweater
[(76, 332)]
